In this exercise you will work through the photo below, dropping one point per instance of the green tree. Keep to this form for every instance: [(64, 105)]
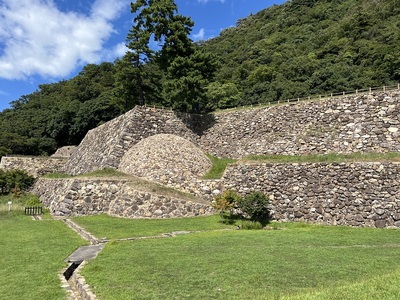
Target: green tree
[(138, 43), (187, 79), (18, 180), (222, 95), (255, 207), (187, 68)]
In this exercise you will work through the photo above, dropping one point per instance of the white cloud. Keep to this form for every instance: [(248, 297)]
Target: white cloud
[(118, 50), (199, 36), (36, 38)]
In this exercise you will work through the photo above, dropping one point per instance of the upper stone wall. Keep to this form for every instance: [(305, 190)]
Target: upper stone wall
[(364, 123), (105, 145), (34, 166), (360, 123)]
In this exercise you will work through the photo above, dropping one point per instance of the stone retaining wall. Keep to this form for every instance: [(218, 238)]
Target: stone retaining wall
[(356, 194), (105, 145), (73, 197), (35, 166), (362, 123)]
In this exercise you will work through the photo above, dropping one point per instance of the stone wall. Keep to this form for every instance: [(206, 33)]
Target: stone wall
[(65, 151), (35, 166), (73, 197), (361, 123), (356, 194), (105, 145)]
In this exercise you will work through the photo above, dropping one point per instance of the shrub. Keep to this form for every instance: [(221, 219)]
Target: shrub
[(255, 207), (226, 201), (17, 181), (3, 181)]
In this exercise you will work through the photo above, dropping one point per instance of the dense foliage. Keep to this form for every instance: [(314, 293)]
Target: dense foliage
[(300, 48), (15, 181), (308, 47), (61, 113), (252, 207)]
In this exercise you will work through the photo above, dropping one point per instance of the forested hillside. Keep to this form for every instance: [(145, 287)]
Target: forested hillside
[(308, 47), (300, 48)]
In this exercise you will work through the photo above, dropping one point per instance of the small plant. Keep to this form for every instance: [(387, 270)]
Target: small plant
[(226, 201), (32, 200), (250, 225), (255, 207)]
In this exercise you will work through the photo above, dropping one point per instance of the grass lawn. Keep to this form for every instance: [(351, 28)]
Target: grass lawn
[(298, 262), (327, 158), (104, 226), (32, 255)]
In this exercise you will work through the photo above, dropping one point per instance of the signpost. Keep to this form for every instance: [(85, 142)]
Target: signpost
[(9, 205)]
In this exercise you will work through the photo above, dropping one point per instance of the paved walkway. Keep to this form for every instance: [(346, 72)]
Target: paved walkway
[(85, 253)]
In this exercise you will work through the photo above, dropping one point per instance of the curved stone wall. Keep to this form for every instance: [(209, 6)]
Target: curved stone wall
[(165, 158), (105, 145)]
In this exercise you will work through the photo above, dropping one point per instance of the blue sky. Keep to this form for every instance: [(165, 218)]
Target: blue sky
[(45, 41)]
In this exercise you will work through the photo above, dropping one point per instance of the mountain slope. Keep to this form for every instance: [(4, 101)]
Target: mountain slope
[(310, 47)]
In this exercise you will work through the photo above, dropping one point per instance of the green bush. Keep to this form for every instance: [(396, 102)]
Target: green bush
[(226, 201), (255, 207), (15, 181), (3, 181)]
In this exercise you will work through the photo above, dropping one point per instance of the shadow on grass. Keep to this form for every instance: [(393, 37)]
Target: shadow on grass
[(233, 219), (229, 219)]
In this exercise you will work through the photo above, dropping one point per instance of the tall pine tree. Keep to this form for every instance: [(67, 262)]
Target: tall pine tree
[(187, 70)]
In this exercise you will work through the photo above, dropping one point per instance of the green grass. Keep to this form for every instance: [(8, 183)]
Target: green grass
[(219, 164), (57, 176), (218, 167), (299, 262), (327, 158), (106, 172), (104, 226), (19, 203), (32, 256)]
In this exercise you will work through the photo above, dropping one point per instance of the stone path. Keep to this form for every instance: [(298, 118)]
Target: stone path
[(85, 253), (76, 285)]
